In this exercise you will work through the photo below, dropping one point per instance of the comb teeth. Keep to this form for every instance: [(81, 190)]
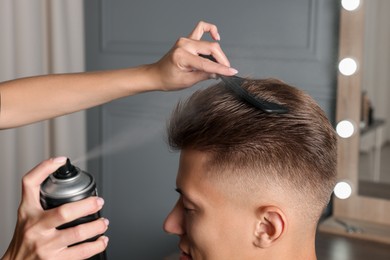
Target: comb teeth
[(235, 83)]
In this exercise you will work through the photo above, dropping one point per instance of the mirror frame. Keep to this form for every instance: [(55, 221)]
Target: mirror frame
[(369, 216)]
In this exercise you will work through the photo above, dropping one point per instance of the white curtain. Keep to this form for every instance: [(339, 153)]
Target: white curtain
[(37, 37)]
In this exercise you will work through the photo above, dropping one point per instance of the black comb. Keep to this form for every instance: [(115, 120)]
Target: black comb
[(234, 83)]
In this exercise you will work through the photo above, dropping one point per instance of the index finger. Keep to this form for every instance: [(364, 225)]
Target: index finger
[(32, 181), (203, 27)]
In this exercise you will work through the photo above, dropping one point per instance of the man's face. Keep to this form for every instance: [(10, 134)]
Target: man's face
[(209, 223)]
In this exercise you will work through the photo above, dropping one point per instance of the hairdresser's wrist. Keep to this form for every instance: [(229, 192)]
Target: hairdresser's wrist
[(151, 78), (139, 79)]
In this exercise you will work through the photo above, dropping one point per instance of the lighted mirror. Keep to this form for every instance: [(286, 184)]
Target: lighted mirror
[(374, 148), (363, 95)]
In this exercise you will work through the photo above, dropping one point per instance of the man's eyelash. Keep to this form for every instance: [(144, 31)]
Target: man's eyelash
[(188, 210)]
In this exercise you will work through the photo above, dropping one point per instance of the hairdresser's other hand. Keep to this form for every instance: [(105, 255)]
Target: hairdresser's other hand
[(36, 236), (182, 67)]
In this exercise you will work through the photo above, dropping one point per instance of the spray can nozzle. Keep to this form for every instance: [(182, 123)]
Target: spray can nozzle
[(66, 171)]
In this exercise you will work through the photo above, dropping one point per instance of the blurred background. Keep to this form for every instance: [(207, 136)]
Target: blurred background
[(37, 37), (123, 143)]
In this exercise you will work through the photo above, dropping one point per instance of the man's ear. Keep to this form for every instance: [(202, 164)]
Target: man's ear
[(270, 226)]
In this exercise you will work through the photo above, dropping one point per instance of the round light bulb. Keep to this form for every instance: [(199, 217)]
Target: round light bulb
[(345, 129), (350, 5), (342, 190), (347, 66)]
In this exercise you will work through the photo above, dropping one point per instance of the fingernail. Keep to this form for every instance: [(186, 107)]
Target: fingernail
[(61, 159), (105, 240), (218, 37), (106, 221), (232, 70), (100, 201)]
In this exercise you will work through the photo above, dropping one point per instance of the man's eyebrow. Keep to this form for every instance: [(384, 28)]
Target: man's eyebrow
[(180, 191)]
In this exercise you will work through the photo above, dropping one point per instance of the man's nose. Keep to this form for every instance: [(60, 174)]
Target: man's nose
[(174, 223)]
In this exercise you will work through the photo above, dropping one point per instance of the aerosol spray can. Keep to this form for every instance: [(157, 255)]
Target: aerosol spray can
[(69, 184)]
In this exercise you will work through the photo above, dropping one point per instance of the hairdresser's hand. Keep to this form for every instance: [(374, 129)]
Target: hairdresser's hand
[(182, 67), (36, 236)]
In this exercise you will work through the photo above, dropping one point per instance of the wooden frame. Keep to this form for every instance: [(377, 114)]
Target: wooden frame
[(368, 217)]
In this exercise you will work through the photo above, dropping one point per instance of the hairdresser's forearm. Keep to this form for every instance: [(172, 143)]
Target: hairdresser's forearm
[(28, 100), (33, 99)]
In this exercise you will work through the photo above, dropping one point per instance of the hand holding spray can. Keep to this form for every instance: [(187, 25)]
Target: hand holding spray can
[(69, 184)]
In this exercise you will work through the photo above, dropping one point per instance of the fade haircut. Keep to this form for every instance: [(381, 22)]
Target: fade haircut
[(297, 149)]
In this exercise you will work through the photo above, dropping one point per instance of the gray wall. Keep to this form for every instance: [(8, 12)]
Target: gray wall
[(294, 40)]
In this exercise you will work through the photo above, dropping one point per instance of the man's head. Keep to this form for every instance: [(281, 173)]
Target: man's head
[(251, 183)]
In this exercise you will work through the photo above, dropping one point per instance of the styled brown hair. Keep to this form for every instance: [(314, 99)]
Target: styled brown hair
[(298, 148)]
